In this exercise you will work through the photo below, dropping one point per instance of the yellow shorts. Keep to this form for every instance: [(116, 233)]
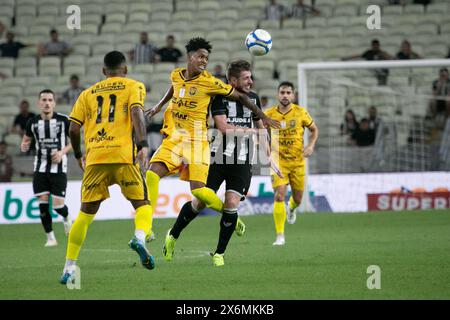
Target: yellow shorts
[(191, 159), (98, 177), (293, 175)]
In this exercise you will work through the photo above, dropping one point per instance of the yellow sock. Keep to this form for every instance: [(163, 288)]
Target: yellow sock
[(292, 203), (209, 198), (152, 182), (279, 215), (143, 218), (78, 234)]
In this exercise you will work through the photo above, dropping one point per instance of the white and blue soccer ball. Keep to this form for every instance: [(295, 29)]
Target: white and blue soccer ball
[(258, 42)]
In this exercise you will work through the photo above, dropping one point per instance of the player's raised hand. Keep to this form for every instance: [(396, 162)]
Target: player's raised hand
[(152, 111), (308, 151), (268, 122)]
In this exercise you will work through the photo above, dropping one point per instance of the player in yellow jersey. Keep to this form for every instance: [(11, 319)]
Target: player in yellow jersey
[(190, 94), (288, 152), (112, 112)]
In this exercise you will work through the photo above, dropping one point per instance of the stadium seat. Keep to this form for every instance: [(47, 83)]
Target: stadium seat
[(438, 8), (103, 39), (139, 17), (88, 28), (269, 24), (222, 24), (177, 26), (231, 4), (111, 28), (295, 24), (40, 80), (7, 10), (26, 10), (156, 26), (125, 47), (349, 10), (337, 22), (101, 49), (116, 17), (93, 8), (82, 49), (74, 69), (162, 6), (208, 5), (142, 7), (186, 6), (136, 27), (146, 68), (436, 51), (116, 8), (414, 8), (50, 71), (91, 18), (227, 14), (164, 67), (48, 10)]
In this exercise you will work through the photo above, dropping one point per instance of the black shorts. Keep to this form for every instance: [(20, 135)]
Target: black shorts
[(50, 183), (237, 178)]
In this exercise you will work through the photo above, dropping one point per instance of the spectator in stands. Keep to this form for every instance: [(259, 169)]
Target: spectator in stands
[(274, 11), (144, 51), (406, 52), (218, 73), (11, 48), (264, 103), (300, 10), (350, 124), (6, 163), (70, 95), (2, 29), (170, 53), (54, 47), (374, 53), (20, 121), (441, 91), (363, 135), (374, 119)]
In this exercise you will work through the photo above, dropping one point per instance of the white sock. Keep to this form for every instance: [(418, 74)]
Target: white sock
[(51, 235), (140, 234), (69, 264)]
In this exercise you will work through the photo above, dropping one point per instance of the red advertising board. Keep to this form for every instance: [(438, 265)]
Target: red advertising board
[(408, 201)]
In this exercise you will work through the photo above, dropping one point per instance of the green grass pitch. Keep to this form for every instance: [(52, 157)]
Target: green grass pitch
[(326, 257)]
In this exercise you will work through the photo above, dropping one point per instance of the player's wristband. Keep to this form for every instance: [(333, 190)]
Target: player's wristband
[(78, 155), (142, 144)]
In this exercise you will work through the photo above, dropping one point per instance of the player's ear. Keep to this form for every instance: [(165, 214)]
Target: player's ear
[(104, 71), (125, 69)]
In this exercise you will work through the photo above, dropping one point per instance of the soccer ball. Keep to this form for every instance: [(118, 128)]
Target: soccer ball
[(258, 42)]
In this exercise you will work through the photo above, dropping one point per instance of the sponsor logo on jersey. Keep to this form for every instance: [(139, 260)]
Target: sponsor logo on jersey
[(102, 135), (180, 115), (184, 103), (192, 91), (129, 183)]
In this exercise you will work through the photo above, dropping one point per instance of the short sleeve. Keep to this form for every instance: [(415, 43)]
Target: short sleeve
[(78, 114), (20, 45), (137, 95), (66, 126), (306, 119), (258, 104), (218, 107), (28, 131), (217, 86)]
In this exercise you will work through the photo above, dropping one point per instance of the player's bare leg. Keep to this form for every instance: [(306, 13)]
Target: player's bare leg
[(58, 204), (46, 220), (279, 213), (294, 201)]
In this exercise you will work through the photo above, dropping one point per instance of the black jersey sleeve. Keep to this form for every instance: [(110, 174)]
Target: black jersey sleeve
[(218, 107), (28, 131)]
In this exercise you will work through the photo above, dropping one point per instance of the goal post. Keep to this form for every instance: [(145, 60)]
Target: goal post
[(398, 124)]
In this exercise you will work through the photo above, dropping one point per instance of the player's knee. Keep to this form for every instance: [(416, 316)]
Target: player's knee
[(231, 203), (158, 168), (58, 202), (197, 204), (139, 203), (90, 207), (43, 198), (279, 196)]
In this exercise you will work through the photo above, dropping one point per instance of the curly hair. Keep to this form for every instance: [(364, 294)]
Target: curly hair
[(198, 43)]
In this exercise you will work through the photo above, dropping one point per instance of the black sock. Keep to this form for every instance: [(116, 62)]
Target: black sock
[(187, 214), (46, 218), (227, 226), (64, 211)]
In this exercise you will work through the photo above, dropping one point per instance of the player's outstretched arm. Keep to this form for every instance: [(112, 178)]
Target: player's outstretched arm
[(138, 120), (247, 102), (314, 134), (155, 109), (222, 125), (75, 140)]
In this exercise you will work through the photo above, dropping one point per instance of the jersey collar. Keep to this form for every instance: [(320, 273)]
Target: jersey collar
[(278, 110), (186, 80)]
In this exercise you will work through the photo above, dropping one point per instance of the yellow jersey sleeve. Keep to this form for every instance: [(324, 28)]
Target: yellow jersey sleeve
[(79, 110), (218, 87), (137, 95)]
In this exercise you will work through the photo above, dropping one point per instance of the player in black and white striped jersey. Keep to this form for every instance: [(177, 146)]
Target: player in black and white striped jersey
[(50, 131)]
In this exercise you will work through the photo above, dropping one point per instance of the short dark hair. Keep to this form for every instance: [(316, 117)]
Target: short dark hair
[(198, 43), (53, 31), (171, 36), (46, 91), (375, 41), (286, 84), (235, 67), (114, 59), (74, 77)]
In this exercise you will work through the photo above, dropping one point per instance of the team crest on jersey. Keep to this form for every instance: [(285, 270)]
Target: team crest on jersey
[(192, 91), (292, 123)]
